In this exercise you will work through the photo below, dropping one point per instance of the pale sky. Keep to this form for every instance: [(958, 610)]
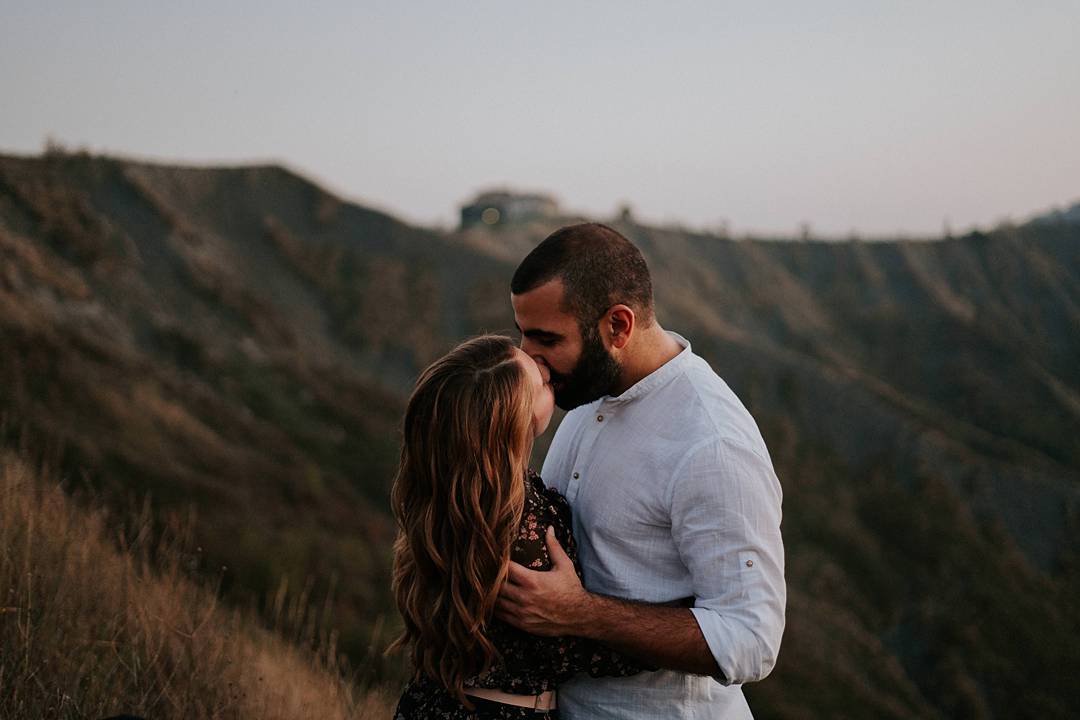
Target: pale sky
[(872, 116)]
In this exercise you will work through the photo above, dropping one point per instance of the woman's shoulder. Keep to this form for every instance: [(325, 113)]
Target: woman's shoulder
[(534, 480), (538, 484), (547, 494)]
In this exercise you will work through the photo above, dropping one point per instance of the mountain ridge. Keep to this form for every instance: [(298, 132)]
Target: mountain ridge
[(241, 341)]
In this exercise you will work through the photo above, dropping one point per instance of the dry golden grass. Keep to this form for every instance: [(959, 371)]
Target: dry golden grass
[(88, 630)]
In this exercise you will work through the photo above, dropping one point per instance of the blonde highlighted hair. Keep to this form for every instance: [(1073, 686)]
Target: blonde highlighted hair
[(458, 498)]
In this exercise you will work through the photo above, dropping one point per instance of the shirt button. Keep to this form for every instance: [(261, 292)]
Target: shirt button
[(576, 476), (599, 418), (749, 563)]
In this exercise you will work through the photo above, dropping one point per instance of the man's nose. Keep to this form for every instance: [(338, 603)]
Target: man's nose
[(530, 348)]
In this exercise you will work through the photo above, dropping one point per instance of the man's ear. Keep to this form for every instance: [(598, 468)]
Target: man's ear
[(619, 323)]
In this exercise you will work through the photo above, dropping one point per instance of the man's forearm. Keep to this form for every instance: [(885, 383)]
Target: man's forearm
[(665, 636)]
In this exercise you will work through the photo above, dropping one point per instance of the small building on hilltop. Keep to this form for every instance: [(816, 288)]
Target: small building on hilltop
[(502, 207)]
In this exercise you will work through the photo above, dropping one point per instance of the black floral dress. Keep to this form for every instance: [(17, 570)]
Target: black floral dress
[(530, 664)]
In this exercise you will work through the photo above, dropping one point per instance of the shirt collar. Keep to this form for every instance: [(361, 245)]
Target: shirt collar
[(659, 376)]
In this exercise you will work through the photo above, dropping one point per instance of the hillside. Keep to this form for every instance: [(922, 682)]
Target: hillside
[(89, 631), (166, 332), (239, 342)]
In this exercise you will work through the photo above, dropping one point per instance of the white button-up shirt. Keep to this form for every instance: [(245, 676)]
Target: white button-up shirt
[(674, 496)]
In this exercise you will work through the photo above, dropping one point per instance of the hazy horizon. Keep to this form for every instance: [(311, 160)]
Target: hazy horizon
[(842, 116)]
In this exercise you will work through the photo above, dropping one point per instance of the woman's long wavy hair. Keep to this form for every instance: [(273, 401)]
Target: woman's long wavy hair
[(458, 498)]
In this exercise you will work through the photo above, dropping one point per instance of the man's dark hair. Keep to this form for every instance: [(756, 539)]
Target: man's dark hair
[(598, 267)]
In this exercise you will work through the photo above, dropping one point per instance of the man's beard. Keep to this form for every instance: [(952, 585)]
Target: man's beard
[(595, 373)]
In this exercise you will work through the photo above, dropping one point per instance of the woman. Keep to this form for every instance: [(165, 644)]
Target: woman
[(467, 505)]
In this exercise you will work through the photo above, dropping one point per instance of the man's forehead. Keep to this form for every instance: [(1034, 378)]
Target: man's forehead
[(547, 296), (542, 309)]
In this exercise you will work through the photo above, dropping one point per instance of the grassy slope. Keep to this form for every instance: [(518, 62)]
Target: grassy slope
[(89, 631)]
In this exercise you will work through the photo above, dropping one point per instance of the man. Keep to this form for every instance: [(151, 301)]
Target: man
[(676, 505)]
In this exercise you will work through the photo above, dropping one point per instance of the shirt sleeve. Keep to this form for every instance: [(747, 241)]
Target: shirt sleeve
[(725, 520)]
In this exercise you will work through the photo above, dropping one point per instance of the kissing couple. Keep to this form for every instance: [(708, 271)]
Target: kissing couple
[(641, 573)]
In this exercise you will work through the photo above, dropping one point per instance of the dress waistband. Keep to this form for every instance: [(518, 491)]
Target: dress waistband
[(543, 702)]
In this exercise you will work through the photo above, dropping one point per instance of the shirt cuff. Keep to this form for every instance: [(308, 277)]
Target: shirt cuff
[(723, 644)]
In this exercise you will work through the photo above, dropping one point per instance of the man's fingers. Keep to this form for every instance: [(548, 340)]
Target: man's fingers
[(511, 614), (504, 610), (520, 575), (510, 593), (559, 558)]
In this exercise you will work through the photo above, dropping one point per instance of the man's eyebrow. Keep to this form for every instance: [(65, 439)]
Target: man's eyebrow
[(539, 334)]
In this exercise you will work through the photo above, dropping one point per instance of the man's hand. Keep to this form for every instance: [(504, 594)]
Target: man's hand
[(551, 602)]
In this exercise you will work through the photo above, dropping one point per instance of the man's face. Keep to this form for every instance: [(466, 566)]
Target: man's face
[(581, 367)]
